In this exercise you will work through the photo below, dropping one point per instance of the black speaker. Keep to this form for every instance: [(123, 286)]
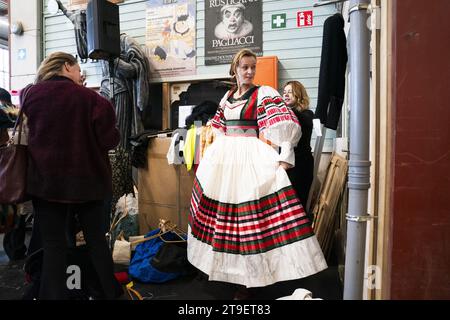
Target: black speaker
[(103, 30)]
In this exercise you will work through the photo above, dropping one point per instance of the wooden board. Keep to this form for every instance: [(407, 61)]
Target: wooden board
[(325, 217)]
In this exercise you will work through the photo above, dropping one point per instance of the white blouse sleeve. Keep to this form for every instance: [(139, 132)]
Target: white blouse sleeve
[(278, 123)]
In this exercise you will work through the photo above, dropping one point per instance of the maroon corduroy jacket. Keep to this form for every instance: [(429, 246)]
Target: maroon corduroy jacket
[(71, 130)]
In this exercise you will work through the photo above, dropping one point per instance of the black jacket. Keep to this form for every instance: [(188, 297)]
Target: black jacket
[(332, 72)]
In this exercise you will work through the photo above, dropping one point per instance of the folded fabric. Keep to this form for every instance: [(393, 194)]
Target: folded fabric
[(147, 260)]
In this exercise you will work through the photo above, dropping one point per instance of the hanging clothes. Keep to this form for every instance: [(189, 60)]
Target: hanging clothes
[(206, 138), (197, 154), (171, 157), (189, 147), (332, 72), (175, 152), (131, 87)]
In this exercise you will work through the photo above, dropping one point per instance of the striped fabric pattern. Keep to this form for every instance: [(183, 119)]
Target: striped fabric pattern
[(218, 121), (247, 128), (269, 111), (273, 110), (248, 228), (249, 112)]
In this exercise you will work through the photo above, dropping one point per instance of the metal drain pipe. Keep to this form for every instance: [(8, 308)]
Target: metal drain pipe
[(359, 164)]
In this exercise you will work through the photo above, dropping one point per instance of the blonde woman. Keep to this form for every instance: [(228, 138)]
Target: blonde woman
[(296, 98), (71, 129), (246, 225)]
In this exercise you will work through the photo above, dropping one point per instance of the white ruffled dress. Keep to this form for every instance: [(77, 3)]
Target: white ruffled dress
[(246, 224)]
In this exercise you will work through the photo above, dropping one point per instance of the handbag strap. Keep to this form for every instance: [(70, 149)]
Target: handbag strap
[(18, 122), (20, 116)]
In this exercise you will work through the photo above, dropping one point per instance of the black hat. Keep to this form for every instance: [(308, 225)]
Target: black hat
[(5, 96)]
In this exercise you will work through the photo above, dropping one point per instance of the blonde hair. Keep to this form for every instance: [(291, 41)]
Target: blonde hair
[(300, 94), (237, 59), (53, 64)]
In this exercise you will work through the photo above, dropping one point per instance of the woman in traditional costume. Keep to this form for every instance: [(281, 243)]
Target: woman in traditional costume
[(246, 224)]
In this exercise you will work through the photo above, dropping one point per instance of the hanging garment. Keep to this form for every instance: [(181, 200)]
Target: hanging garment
[(198, 149), (246, 225), (131, 86), (171, 157), (206, 138), (189, 147), (78, 19), (122, 179), (332, 72), (139, 146), (175, 153)]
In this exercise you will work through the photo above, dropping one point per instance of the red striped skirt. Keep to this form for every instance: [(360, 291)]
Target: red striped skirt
[(246, 223)]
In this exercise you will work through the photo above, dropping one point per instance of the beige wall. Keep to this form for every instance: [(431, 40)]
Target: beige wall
[(23, 69)]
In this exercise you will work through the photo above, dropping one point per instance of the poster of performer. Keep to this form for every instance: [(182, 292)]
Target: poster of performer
[(231, 25), (170, 37)]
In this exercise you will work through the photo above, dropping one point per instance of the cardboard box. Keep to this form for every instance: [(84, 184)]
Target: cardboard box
[(164, 190)]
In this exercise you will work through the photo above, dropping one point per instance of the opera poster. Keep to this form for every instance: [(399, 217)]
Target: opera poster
[(170, 37), (231, 25)]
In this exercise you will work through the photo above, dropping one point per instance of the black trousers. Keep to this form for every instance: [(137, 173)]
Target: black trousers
[(53, 219), (301, 180), (301, 177)]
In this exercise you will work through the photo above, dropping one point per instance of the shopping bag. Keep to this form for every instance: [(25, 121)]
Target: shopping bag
[(121, 251), (125, 220), (162, 257), (13, 167), (14, 163)]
